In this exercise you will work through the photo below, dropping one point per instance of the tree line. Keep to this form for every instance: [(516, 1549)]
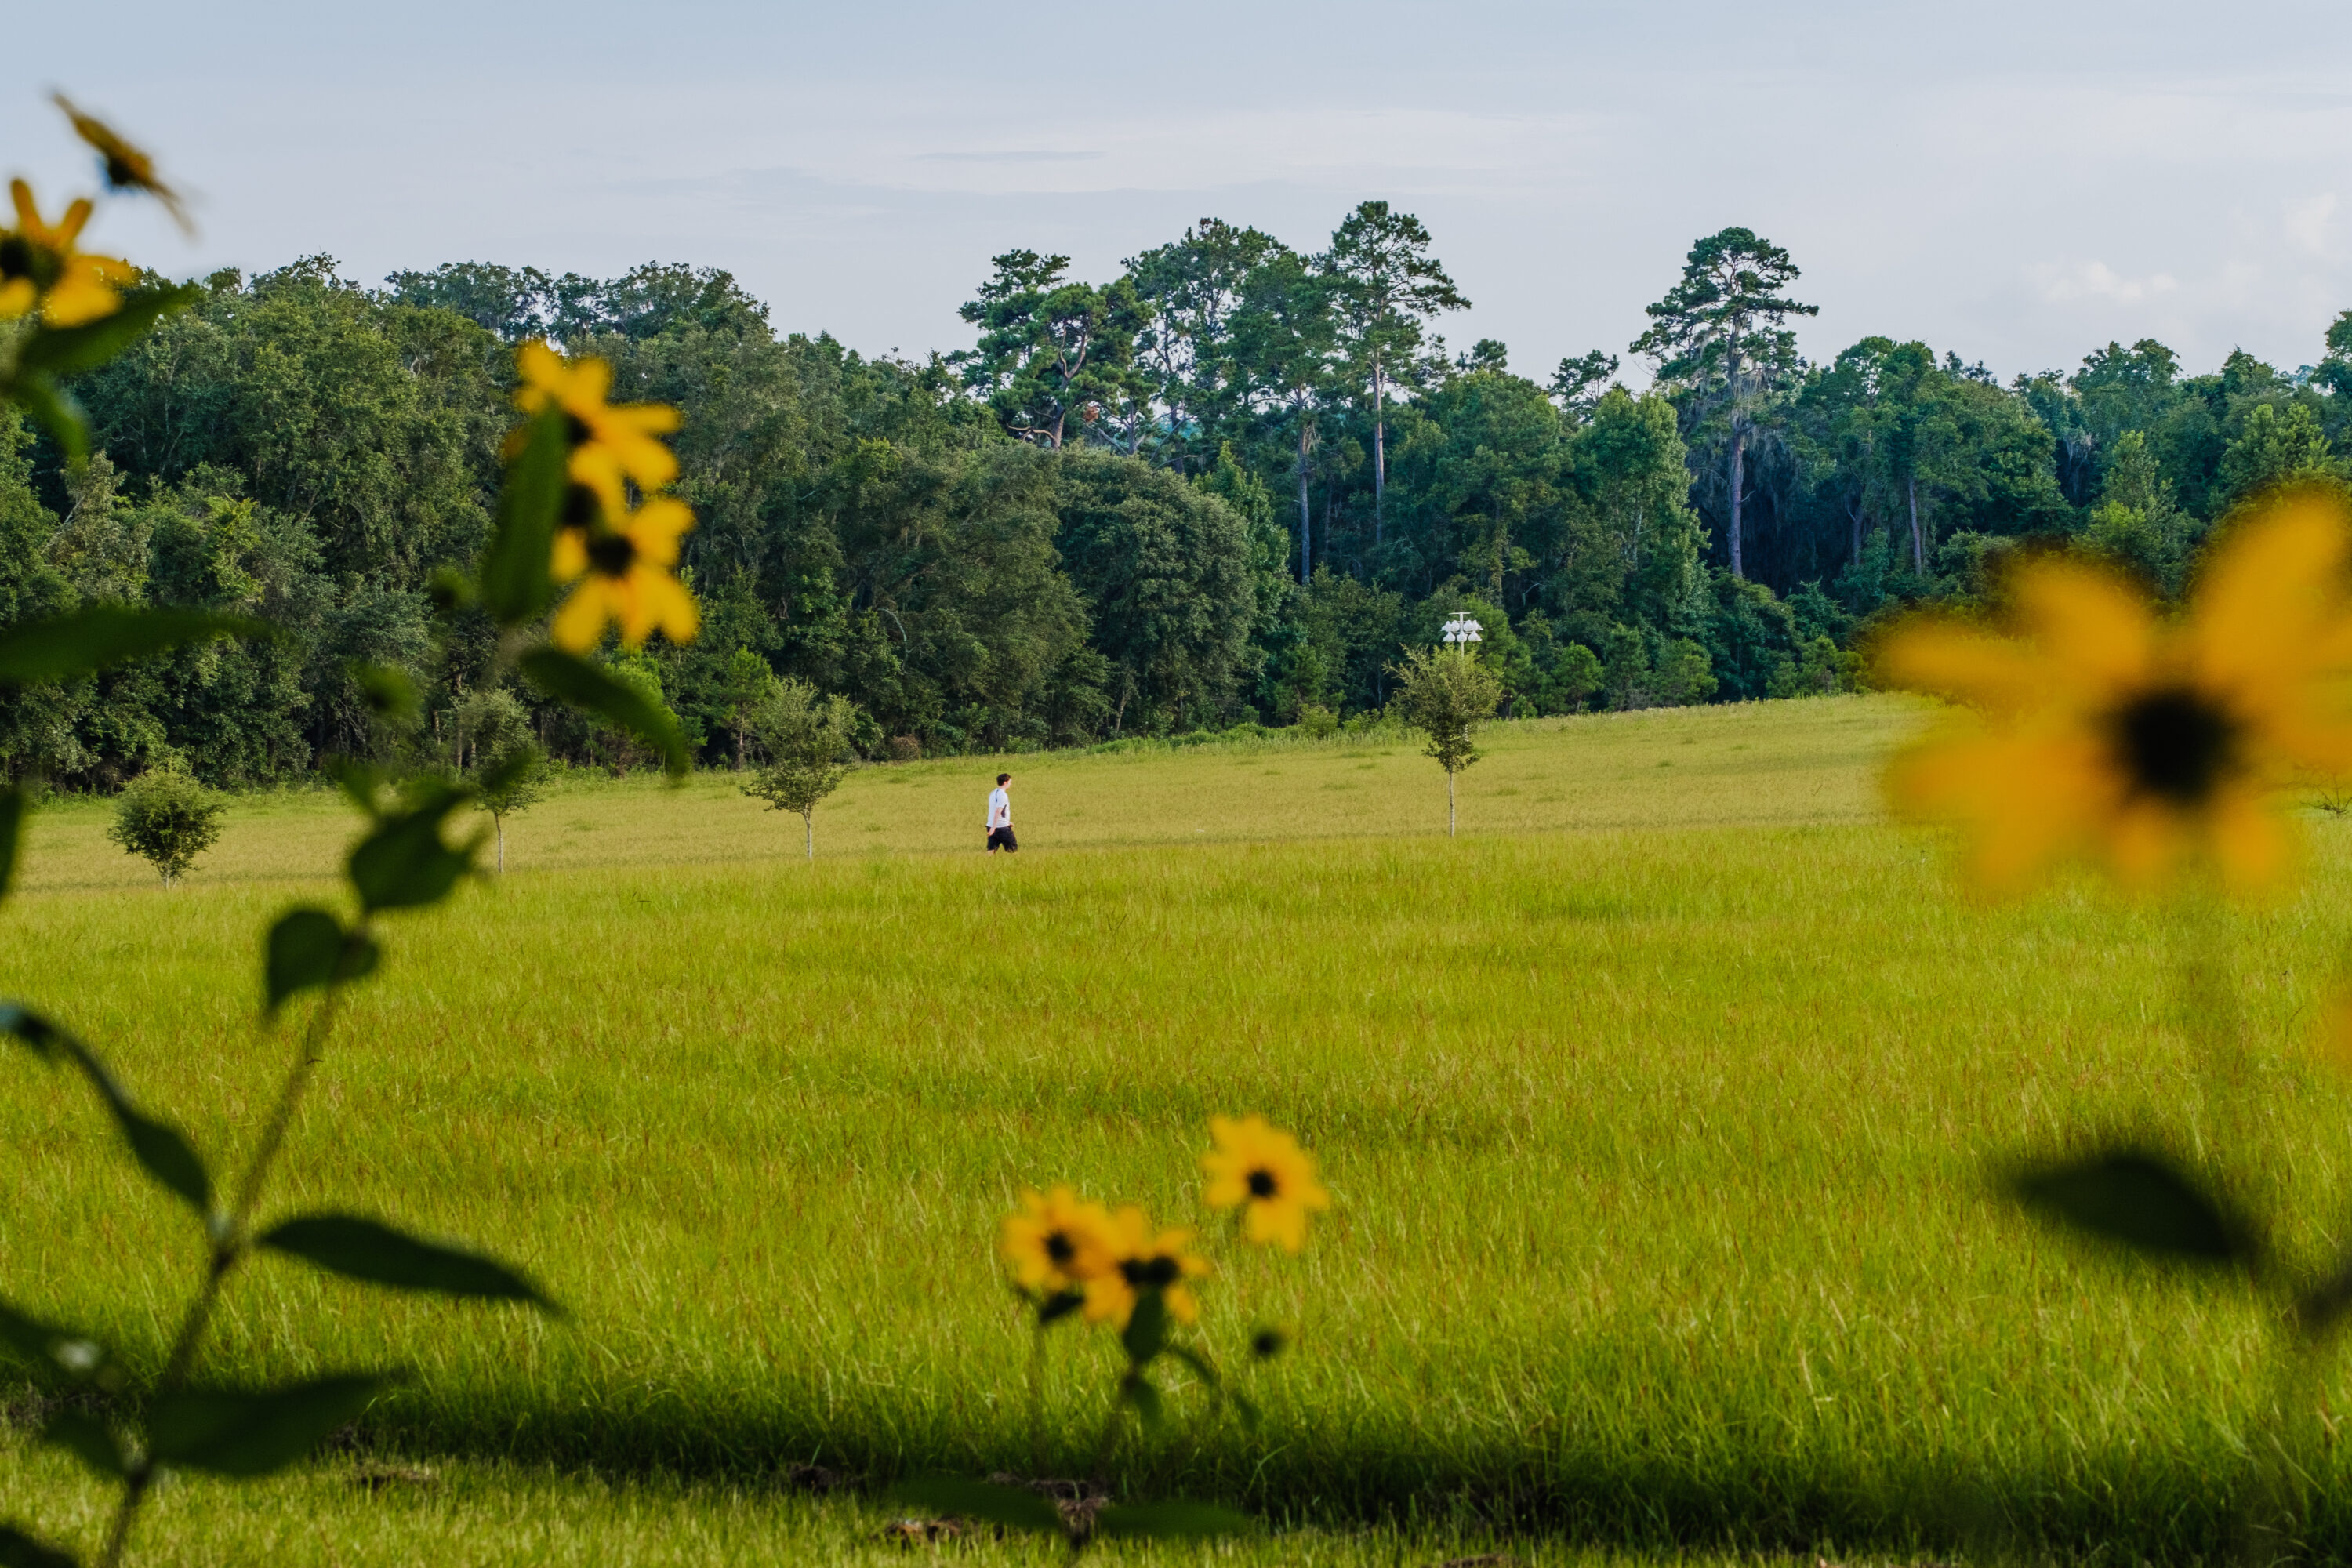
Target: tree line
[(1234, 484)]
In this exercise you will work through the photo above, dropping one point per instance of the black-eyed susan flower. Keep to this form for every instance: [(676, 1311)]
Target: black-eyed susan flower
[(41, 268), (126, 167), (2099, 733), (610, 442), (1265, 1172), (622, 575), (1057, 1242), (1148, 1261)]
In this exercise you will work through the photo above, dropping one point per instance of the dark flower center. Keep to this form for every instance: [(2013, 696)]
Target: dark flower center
[(1261, 1185), (580, 508), (20, 258), (2176, 744), (612, 553), (575, 430), (121, 174), (1058, 1247), (1151, 1273)]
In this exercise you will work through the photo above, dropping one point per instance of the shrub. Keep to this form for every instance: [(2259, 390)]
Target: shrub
[(1318, 722), (168, 818)]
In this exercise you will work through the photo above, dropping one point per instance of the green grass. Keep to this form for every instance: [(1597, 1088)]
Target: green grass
[(1660, 1108)]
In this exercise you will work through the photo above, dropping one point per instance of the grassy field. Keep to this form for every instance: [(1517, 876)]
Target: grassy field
[(1659, 1108)]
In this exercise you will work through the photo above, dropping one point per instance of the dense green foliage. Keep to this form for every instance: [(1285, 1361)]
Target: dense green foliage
[(1232, 485), (167, 819)]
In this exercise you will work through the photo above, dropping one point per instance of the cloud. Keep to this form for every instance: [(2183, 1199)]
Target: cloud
[(1018, 155), (2065, 285), (2306, 222)]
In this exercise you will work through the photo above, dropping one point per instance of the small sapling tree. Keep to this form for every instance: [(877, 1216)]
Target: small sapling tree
[(745, 686), (496, 754), (168, 819), (806, 739), (1447, 694)]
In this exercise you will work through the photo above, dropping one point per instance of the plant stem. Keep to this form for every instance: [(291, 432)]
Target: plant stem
[(229, 1246), (1037, 1400), (1110, 1427)]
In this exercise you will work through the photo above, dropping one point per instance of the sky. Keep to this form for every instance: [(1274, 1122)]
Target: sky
[(2019, 183)]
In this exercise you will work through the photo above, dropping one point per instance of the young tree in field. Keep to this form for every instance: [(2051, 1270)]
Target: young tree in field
[(806, 739), (1447, 694), (1388, 286), (1722, 324), (168, 819), (1049, 348), (492, 731), (745, 686)]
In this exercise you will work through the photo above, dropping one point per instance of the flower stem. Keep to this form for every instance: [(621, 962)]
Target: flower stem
[(230, 1244)]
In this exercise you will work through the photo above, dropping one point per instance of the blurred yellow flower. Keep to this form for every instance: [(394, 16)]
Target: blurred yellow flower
[(2100, 733), (39, 266), (127, 168), (1266, 1171), (610, 442), (1057, 1242), (623, 577), (1145, 1261)]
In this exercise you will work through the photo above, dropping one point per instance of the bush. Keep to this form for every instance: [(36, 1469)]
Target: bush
[(1318, 722), (168, 818)]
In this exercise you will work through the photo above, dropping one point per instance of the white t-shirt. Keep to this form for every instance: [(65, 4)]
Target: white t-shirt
[(999, 809)]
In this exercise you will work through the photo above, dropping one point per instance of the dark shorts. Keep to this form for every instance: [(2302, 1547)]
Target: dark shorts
[(1003, 838)]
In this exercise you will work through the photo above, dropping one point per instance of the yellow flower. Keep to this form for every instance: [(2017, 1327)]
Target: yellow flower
[(2101, 734), (1145, 1261), (39, 266), (1255, 1165), (623, 577), (127, 168), (610, 442), (1057, 1242)]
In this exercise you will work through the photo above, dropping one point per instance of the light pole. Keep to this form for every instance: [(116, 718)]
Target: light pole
[(1461, 630)]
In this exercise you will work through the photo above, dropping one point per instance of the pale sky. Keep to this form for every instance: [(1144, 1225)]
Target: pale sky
[(2019, 182)]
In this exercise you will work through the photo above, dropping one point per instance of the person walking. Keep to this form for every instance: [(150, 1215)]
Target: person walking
[(1000, 818)]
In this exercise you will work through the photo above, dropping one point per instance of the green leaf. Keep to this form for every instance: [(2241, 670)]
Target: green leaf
[(230, 1434), (361, 782), (511, 769), (13, 808), (1252, 1416), (157, 1145), (2141, 1199), (579, 684), (389, 694), (69, 351), (35, 1032), (38, 394), (515, 582), (404, 865), (48, 1347), (1201, 1365), (1145, 1334), (87, 1439), (18, 1550), (957, 1496), (1171, 1521), (310, 949), (367, 1249), (100, 637)]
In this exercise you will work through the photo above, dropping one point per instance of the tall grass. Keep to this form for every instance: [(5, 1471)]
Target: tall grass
[(1660, 1110)]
